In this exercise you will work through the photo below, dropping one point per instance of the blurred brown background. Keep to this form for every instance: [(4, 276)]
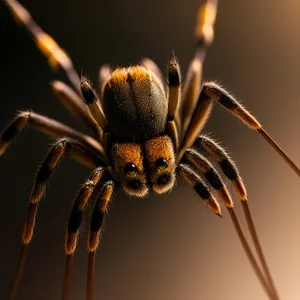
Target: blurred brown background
[(167, 247)]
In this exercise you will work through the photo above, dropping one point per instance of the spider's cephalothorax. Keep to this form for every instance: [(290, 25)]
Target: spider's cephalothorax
[(141, 155), (145, 132)]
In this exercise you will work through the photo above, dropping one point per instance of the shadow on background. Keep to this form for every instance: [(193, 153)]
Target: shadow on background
[(167, 247)]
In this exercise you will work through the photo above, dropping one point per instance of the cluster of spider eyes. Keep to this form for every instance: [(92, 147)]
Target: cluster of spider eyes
[(131, 169)]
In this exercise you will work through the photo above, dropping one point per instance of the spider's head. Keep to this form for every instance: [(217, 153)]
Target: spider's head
[(150, 163)]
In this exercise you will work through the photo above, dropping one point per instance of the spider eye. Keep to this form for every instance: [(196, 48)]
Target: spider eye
[(161, 163), (130, 169)]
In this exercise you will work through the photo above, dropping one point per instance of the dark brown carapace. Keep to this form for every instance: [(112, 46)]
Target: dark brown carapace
[(145, 132)]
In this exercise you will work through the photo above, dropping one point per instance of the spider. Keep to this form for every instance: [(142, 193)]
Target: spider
[(138, 154)]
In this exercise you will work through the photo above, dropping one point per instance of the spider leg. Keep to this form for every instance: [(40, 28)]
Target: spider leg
[(190, 127), (218, 94), (99, 213), (57, 57), (219, 155), (191, 89), (174, 96), (212, 92), (204, 167), (199, 118), (62, 147), (204, 36), (48, 126), (202, 190), (73, 103), (74, 223), (92, 101)]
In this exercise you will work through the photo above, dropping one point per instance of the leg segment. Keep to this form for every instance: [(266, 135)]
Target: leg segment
[(197, 122), (205, 168), (62, 147), (100, 210), (194, 180), (75, 222), (231, 172), (202, 190), (92, 101), (191, 91), (48, 126), (265, 283), (57, 57), (212, 92), (74, 104), (78, 209), (174, 95), (204, 35), (95, 231), (225, 162), (93, 104)]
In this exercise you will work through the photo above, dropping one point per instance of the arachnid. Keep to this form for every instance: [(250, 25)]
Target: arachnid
[(137, 185)]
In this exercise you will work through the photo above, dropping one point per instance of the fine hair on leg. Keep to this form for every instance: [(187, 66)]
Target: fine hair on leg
[(174, 96), (49, 127), (74, 104), (62, 147), (96, 225), (74, 223)]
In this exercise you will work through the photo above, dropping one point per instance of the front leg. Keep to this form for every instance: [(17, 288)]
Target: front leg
[(48, 126), (212, 92)]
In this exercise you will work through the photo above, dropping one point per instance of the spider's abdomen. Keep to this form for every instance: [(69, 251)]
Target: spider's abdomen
[(134, 104)]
